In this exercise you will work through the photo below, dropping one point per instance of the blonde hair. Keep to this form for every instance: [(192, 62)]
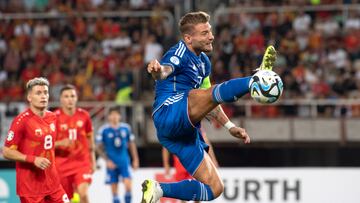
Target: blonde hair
[(36, 81), (188, 21)]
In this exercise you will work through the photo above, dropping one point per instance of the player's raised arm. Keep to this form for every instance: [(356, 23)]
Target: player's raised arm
[(158, 71)]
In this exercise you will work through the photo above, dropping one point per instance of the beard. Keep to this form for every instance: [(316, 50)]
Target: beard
[(203, 47)]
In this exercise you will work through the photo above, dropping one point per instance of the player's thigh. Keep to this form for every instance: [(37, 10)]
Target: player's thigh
[(190, 153), (200, 103), (172, 119), (58, 196), (39, 199), (126, 174), (127, 183), (82, 188), (207, 173), (82, 180)]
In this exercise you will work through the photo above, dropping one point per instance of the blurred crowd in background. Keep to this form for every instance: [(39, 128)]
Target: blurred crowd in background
[(318, 51)]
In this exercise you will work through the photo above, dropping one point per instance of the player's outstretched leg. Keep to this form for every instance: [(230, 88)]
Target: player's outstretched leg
[(231, 90), (202, 101)]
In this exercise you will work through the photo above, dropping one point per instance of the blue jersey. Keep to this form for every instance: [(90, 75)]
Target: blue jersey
[(115, 141), (189, 70)]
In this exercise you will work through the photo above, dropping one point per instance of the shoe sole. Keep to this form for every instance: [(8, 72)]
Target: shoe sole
[(269, 58), (144, 188)]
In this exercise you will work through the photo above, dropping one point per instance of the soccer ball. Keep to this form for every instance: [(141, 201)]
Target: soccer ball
[(265, 86)]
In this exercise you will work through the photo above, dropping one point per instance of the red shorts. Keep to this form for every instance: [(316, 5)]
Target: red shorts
[(180, 171), (59, 196), (72, 181)]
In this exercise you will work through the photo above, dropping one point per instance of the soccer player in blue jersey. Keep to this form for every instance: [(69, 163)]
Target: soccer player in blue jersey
[(183, 98), (114, 140)]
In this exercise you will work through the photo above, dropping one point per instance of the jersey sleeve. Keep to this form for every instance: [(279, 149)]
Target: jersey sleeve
[(174, 57), (15, 134)]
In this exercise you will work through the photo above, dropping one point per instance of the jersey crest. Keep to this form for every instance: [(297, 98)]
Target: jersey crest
[(64, 126), (79, 123), (123, 133), (110, 135), (38, 132)]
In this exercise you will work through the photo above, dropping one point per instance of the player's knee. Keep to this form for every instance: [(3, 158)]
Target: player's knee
[(218, 189)]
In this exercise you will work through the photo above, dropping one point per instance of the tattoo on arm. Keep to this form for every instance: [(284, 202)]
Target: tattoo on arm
[(218, 115), (166, 71), (163, 74)]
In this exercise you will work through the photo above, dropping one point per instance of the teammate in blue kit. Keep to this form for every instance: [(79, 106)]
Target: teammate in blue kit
[(184, 97), (114, 139)]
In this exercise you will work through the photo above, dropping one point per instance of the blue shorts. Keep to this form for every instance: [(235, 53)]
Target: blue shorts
[(177, 134), (112, 175)]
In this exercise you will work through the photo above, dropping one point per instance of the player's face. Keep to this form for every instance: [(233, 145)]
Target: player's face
[(68, 99), (38, 97), (114, 117), (201, 39)]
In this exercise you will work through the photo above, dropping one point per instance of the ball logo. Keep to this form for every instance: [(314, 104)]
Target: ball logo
[(175, 60), (10, 135), (65, 198)]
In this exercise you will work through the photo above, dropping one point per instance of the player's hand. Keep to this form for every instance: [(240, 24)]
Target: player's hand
[(110, 164), (240, 133), (42, 163), (135, 164), (154, 67)]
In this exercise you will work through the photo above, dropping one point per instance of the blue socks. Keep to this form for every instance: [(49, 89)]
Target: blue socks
[(128, 197), (116, 199), (187, 190), (231, 90)]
